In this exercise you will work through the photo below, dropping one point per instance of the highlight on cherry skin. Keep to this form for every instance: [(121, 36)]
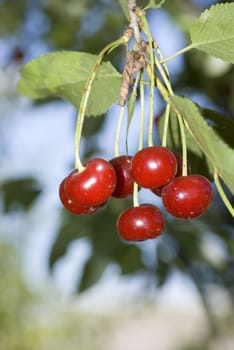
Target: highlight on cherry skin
[(187, 197), (93, 186), (153, 167), (124, 180), (73, 207), (140, 223)]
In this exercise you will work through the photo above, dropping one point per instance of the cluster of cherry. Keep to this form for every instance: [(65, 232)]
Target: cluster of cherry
[(156, 168)]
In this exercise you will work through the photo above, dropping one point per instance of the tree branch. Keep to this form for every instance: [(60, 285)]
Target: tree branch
[(134, 20)]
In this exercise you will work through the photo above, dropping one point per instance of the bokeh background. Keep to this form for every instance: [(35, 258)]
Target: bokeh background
[(71, 282)]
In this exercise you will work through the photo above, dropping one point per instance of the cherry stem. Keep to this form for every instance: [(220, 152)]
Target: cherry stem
[(165, 126), (131, 106), (164, 64), (142, 121), (135, 195), (166, 78), (223, 194), (184, 145), (87, 89), (152, 80), (169, 92), (118, 130), (141, 139), (163, 70)]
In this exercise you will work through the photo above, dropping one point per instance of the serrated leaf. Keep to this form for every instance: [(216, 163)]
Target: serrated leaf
[(218, 152), (153, 4), (64, 74), (213, 32)]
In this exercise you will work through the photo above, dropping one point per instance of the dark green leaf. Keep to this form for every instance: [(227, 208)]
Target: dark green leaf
[(64, 74), (129, 258), (19, 193), (196, 158), (92, 272), (70, 230), (218, 152)]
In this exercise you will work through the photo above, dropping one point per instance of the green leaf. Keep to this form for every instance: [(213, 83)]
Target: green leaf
[(196, 159), (92, 272), (19, 193), (213, 32), (218, 152), (222, 125), (64, 74), (153, 4), (174, 137)]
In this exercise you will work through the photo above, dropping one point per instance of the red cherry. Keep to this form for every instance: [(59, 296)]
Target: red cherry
[(72, 207), (140, 223), (93, 186), (158, 190), (153, 167), (187, 196), (124, 184), (17, 54)]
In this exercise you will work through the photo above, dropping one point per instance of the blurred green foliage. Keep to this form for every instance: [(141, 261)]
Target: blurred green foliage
[(19, 194)]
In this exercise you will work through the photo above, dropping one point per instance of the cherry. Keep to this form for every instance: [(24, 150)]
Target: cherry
[(93, 186), (17, 54), (140, 223), (124, 184), (158, 190), (73, 207), (187, 196), (153, 167)]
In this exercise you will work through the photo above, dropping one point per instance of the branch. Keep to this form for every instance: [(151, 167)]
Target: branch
[(134, 20)]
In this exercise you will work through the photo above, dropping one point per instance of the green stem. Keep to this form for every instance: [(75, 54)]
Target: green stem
[(141, 138), (165, 126), (177, 53), (164, 64), (184, 145), (154, 58), (135, 195), (164, 76), (152, 80), (142, 122), (84, 100), (223, 194), (118, 130), (131, 107)]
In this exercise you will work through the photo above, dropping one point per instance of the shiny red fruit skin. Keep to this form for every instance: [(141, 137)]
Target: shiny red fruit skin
[(140, 223), (187, 197), (72, 207), (158, 190), (93, 186), (124, 183), (153, 167)]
